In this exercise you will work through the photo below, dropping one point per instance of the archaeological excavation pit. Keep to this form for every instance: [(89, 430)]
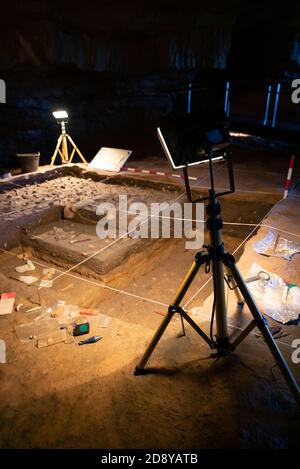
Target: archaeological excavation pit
[(120, 287), (53, 218)]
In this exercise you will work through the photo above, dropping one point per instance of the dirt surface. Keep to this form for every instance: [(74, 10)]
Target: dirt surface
[(70, 396)]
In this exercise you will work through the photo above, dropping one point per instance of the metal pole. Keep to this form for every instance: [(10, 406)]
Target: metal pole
[(226, 101), (189, 104), (64, 142), (276, 105), (267, 105), (221, 310), (215, 230)]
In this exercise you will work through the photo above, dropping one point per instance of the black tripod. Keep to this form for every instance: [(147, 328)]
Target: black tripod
[(216, 257)]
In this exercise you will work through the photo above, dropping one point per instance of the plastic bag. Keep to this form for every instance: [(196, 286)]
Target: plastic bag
[(274, 245), (274, 297)]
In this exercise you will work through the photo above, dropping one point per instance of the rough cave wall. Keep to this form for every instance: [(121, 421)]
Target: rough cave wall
[(111, 64), (265, 51)]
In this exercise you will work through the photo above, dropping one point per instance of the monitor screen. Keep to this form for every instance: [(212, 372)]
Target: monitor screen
[(186, 140)]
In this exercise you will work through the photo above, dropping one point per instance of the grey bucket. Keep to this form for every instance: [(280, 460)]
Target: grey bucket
[(29, 162)]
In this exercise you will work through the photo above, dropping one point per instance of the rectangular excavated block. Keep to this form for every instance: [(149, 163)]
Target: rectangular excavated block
[(12, 226), (67, 244)]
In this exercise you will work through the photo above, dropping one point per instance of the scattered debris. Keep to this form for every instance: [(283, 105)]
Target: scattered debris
[(48, 273), (276, 332), (35, 308), (61, 234), (28, 266), (41, 316), (7, 302), (58, 311), (44, 283), (36, 329), (262, 275), (160, 313), (28, 279), (99, 321), (22, 268), (33, 301), (90, 340), (65, 312), (274, 245), (81, 240), (89, 312), (56, 337), (67, 287)]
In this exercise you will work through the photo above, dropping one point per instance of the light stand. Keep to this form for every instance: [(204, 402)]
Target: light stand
[(214, 256), (62, 142)]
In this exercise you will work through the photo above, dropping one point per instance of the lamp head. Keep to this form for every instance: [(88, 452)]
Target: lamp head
[(61, 116)]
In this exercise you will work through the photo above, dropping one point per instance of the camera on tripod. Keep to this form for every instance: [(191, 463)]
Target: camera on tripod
[(192, 139)]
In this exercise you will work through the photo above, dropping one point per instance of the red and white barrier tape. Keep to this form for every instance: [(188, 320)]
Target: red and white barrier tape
[(289, 177), (157, 173)]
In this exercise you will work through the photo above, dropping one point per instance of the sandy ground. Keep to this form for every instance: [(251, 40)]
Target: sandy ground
[(69, 396)]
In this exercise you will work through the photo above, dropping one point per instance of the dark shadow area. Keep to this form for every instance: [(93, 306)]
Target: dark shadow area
[(112, 65)]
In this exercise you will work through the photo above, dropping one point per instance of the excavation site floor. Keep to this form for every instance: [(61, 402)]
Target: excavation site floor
[(64, 395)]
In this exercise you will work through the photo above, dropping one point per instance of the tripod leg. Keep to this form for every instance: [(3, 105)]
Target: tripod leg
[(260, 322), (77, 149), (56, 150), (171, 311), (61, 155), (72, 155), (150, 349)]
